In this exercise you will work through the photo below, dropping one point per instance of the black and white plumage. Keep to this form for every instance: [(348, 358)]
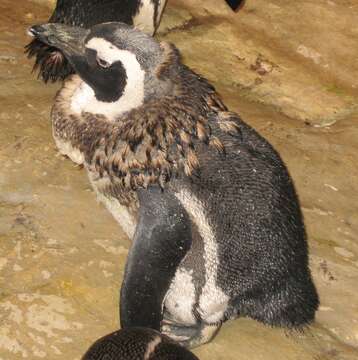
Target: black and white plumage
[(214, 217), (143, 14), (53, 66), (137, 344)]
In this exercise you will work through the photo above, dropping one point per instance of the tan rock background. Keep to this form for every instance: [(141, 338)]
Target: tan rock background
[(291, 70)]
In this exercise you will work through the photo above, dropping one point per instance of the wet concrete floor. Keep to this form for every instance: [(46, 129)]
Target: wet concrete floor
[(62, 255)]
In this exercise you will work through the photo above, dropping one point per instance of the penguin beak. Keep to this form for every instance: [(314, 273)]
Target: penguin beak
[(69, 40)]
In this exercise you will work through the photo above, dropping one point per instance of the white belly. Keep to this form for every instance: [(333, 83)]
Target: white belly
[(212, 302), (120, 212), (65, 148), (180, 298)]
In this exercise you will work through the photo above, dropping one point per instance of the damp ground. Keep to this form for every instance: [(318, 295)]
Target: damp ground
[(290, 70)]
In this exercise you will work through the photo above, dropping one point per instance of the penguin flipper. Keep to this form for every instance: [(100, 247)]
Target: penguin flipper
[(161, 240)]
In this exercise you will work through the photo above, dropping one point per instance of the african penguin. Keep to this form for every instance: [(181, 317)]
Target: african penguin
[(137, 344), (210, 207), (143, 14)]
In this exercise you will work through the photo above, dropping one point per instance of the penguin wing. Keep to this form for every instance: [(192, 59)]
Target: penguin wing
[(161, 240)]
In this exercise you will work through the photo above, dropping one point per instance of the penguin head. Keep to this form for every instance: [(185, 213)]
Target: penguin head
[(137, 344), (115, 60)]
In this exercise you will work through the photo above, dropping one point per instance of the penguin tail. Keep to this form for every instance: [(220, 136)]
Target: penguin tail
[(49, 62)]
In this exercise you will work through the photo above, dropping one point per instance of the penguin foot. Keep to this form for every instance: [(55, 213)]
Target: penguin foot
[(179, 333), (191, 336)]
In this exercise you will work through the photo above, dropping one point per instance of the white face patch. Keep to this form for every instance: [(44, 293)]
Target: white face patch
[(84, 99), (213, 301)]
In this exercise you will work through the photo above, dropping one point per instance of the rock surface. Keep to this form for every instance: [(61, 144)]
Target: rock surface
[(290, 69)]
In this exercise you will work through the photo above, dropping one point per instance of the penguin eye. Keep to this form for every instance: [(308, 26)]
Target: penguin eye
[(103, 63)]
